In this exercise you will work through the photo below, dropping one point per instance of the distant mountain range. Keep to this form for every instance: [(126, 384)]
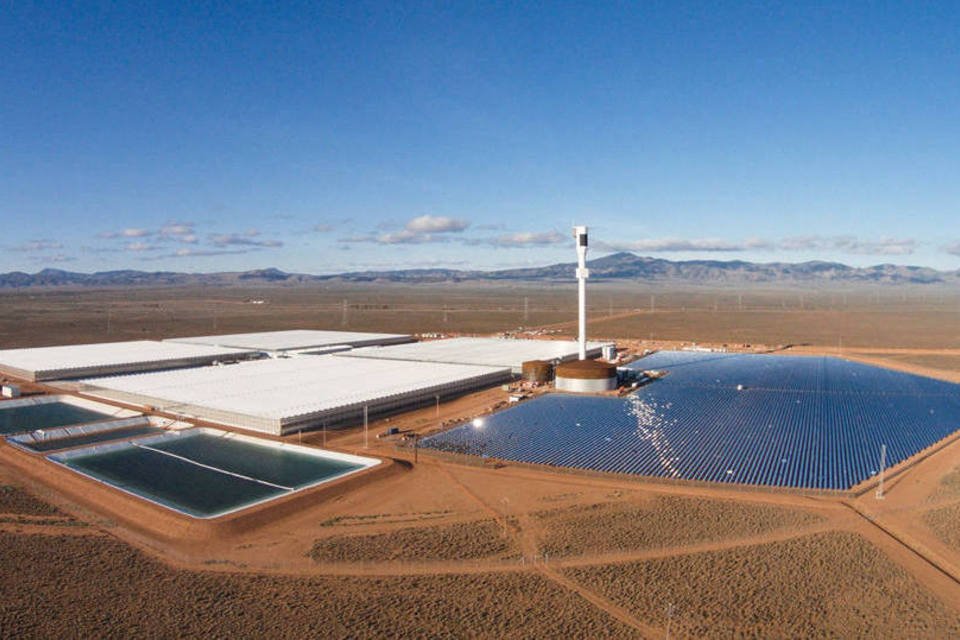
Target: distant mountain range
[(614, 267)]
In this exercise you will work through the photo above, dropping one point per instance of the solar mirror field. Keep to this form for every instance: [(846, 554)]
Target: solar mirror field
[(786, 421)]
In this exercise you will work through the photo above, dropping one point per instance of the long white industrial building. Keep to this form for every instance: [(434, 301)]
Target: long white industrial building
[(287, 395), (109, 358), (492, 352), (296, 339)]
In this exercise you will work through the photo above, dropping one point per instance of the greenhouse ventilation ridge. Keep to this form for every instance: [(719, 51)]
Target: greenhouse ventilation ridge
[(295, 339), (287, 395), (110, 358), (498, 352)]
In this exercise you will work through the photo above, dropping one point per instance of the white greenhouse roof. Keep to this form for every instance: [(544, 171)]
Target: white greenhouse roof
[(295, 339), (269, 395), (108, 358), (499, 352)]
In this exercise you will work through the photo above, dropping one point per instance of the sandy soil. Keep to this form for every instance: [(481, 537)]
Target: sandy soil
[(827, 585), (460, 541), (945, 523), (267, 578), (661, 522), (882, 317), (446, 550), (858, 328), (949, 486), (14, 500), (70, 586)]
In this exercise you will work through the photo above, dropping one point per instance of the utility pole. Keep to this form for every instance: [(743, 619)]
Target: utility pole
[(883, 464), (526, 308), (366, 438), (669, 619), (343, 319)]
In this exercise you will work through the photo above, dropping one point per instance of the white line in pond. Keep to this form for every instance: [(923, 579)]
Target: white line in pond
[(206, 466)]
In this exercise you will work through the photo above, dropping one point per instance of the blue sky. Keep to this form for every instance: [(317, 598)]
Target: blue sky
[(324, 137)]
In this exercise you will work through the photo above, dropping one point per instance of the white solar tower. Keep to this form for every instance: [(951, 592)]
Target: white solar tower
[(580, 233)]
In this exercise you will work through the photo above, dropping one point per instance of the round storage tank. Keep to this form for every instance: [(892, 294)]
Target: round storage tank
[(586, 376), (537, 371)]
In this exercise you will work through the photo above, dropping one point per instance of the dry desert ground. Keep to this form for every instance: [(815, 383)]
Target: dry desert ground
[(444, 547)]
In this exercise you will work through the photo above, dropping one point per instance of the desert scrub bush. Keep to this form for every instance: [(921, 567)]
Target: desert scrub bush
[(459, 541), (98, 587), (945, 524), (16, 500), (663, 521), (822, 585), (949, 486)]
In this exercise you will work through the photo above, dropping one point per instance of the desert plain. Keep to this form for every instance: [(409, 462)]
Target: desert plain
[(446, 547)]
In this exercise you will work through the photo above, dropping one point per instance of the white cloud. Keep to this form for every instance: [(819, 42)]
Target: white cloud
[(38, 245), (671, 245), (883, 247), (419, 230), (850, 244), (395, 237), (953, 248), (246, 239), (194, 253), (182, 232), (57, 258), (523, 239), (810, 243), (131, 232), (139, 247), (172, 231), (436, 224), (801, 243), (407, 236)]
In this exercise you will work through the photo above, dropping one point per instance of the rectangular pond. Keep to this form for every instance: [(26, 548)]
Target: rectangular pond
[(207, 473), (70, 437), (29, 414)]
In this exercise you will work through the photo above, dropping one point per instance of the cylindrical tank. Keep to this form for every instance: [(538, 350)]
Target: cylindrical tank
[(537, 371), (11, 391), (586, 376)]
